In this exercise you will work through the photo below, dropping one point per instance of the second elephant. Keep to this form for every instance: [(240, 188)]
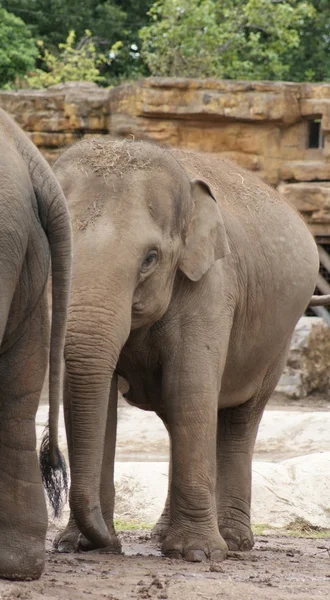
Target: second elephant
[(34, 229)]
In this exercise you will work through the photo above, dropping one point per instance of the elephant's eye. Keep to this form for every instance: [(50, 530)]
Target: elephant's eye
[(149, 260)]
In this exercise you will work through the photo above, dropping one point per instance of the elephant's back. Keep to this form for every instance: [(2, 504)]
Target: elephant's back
[(236, 188)]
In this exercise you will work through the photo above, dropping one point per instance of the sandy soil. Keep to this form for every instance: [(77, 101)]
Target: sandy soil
[(279, 568)]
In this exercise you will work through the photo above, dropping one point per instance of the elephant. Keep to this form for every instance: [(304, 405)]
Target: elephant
[(189, 276), (34, 228)]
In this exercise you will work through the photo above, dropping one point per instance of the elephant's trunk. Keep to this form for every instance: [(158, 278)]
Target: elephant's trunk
[(96, 335)]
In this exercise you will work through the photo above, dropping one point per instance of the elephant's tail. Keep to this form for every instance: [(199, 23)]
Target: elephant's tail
[(319, 301), (54, 478)]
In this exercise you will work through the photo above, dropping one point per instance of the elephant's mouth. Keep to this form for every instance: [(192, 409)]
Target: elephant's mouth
[(137, 308)]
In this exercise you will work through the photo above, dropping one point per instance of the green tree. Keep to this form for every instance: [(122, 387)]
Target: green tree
[(51, 20), (109, 20), (232, 39), (72, 63), (18, 50), (310, 61)]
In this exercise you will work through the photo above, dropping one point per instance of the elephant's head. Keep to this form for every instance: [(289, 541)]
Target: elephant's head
[(138, 220)]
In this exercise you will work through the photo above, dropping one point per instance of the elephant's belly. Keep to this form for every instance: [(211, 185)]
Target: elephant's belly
[(236, 396), (253, 374)]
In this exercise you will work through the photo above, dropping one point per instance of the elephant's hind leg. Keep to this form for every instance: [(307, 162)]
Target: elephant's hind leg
[(23, 512), (235, 443), (237, 432), (160, 530)]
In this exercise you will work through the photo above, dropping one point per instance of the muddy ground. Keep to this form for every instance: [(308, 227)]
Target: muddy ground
[(280, 568)]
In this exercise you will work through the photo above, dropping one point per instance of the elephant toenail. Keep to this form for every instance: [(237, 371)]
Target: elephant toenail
[(246, 545), (218, 555), (195, 555), (173, 554)]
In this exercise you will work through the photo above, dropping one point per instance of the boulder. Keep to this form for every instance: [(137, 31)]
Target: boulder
[(308, 365)]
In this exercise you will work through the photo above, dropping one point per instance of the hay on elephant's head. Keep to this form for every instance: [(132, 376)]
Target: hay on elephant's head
[(113, 157)]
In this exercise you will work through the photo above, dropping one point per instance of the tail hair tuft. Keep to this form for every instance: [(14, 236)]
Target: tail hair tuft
[(54, 477)]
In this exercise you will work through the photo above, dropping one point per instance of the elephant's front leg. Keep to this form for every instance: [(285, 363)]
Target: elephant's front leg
[(191, 397), (70, 540)]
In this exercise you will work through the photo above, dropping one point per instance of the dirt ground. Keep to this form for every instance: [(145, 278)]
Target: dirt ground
[(278, 568)]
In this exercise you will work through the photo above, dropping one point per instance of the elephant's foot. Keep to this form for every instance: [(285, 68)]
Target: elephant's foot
[(23, 558), (194, 547), (239, 538)]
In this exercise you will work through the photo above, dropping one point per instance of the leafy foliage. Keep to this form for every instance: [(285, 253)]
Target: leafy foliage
[(310, 61), (18, 50), (51, 20), (79, 63), (232, 39), (110, 21), (235, 39)]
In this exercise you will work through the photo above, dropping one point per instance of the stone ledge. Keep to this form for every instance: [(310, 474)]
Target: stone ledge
[(61, 108), (208, 99), (305, 170), (307, 197)]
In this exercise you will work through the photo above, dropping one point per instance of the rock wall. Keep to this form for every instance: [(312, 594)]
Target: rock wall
[(268, 127), (59, 116), (279, 130)]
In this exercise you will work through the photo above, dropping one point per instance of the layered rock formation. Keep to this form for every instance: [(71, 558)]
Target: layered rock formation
[(280, 130), (59, 116)]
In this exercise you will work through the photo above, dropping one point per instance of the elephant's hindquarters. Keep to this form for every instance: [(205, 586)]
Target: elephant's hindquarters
[(24, 341)]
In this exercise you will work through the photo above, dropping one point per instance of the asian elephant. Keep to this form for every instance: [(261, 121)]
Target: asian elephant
[(189, 276), (34, 227)]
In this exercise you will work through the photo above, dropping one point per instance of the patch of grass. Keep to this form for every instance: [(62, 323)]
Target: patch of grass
[(258, 529), (121, 525), (299, 528), (302, 528)]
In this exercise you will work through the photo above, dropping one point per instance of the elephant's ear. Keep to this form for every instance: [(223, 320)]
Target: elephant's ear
[(206, 239)]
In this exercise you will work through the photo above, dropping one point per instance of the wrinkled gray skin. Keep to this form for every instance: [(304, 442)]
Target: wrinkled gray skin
[(189, 276), (34, 226)]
